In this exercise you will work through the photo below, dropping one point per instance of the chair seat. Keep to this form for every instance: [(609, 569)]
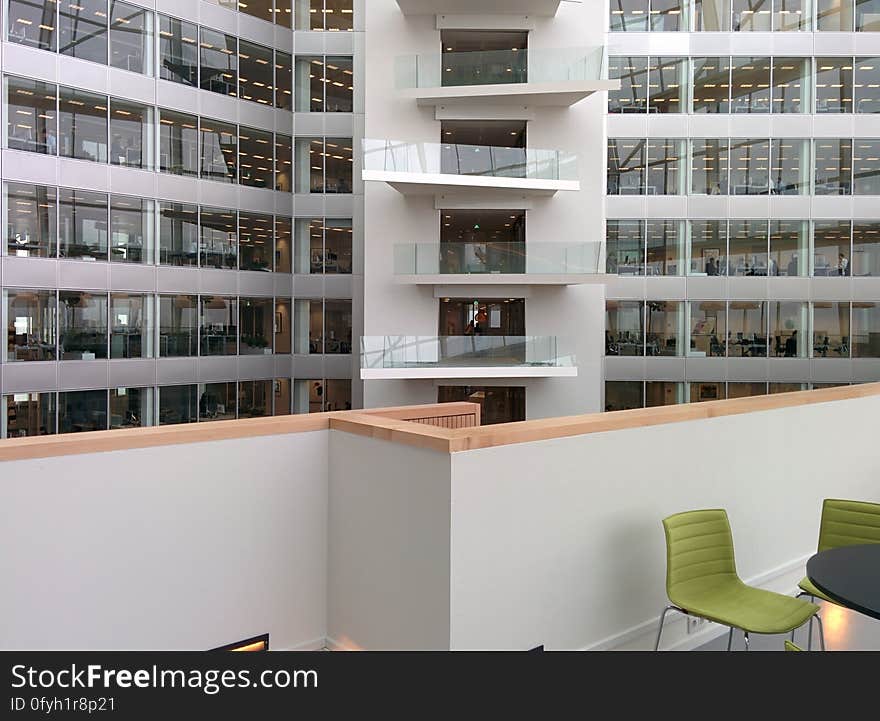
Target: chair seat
[(807, 586), (732, 603)]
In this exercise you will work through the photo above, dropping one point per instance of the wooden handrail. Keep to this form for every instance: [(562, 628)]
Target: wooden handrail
[(392, 424)]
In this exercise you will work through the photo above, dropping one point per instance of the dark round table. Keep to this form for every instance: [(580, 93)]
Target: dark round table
[(850, 575)]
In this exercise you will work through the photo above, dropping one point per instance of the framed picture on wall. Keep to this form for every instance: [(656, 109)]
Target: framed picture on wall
[(279, 322), (712, 253), (708, 392)]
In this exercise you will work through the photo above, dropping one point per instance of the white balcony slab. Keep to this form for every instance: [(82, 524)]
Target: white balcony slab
[(471, 279), (469, 372), (434, 183), (544, 8), (560, 94)]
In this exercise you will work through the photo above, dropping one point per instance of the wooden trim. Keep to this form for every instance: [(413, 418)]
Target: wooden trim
[(438, 410), (384, 425)]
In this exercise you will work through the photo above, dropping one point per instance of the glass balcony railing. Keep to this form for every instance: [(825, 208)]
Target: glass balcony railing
[(491, 257), (478, 160), (468, 351), (499, 67)]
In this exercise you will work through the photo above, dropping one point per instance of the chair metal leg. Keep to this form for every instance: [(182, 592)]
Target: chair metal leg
[(746, 636), (821, 631), (730, 638), (662, 621)]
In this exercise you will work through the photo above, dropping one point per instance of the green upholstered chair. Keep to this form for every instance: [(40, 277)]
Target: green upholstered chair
[(701, 580), (844, 523), (789, 646)]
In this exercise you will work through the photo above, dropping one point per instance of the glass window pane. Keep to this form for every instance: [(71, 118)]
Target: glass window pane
[(309, 246), (219, 150), (255, 158), (749, 167), (338, 165), (834, 85), (337, 246), (791, 78), (258, 8), (283, 244), (82, 122), (746, 390), (178, 326), (219, 326), (178, 404), (867, 84), (284, 13), (748, 247), (833, 166), (254, 399), (626, 166), (708, 329), (789, 247), (308, 327), (668, 15), (178, 143), (82, 225), (751, 15), (750, 85), (338, 14), (709, 166), (310, 165), (712, 15), (255, 241), (666, 164), (708, 247), (711, 83), (32, 23), (218, 60), (866, 249), (791, 15), (131, 38), (81, 411), (83, 29), (337, 327), (284, 163), (831, 247), (632, 72), (338, 394), (282, 401), (31, 318), (31, 122), (256, 325), (789, 166), (703, 392), (255, 73), (219, 238), (625, 247), (283, 326), (664, 330), (178, 51), (867, 15), (665, 247), (30, 414), (789, 387), (623, 395), (664, 393), (629, 15), (82, 325), (217, 402), (339, 84), (624, 327), (866, 167), (830, 330), (667, 83), (178, 234), (31, 218), (747, 329), (788, 325), (131, 134), (131, 407), (866, 330), (309, 84), (283, 80), (131, 229), (834, 15), (131, 325)]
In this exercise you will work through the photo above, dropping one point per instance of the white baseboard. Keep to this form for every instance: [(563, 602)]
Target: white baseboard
[(782, 579)]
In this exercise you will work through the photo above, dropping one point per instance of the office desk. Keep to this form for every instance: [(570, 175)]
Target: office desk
[(849, 575)]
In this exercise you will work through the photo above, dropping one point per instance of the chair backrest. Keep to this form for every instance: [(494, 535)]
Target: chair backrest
[(848, 523), (699, 549)]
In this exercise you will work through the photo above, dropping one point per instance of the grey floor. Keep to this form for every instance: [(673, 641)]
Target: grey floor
[(844, 631)]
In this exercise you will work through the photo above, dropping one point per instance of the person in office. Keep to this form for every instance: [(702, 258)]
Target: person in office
[(842, 265), (711, 267), (772, 267), (791, 345), (792, 268)]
